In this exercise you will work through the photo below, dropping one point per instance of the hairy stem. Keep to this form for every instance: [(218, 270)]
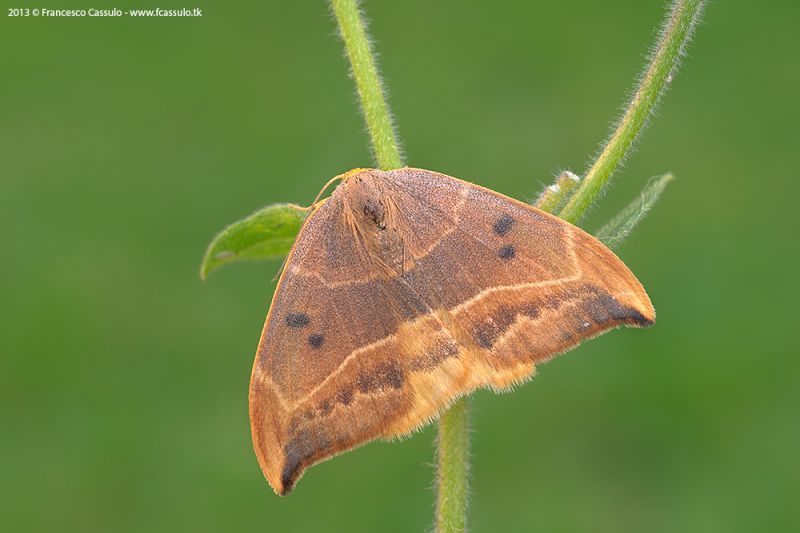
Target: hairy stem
[(556, 194), (452, 476), (353, 30), (453, 437), (675, 34), (453, 441), (619, 227)]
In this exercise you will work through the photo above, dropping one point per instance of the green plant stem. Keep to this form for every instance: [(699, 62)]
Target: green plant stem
[(453, 437), (618, 228), (452, 474), (675, 34), (353, 30), (556, 194), (453, 440)]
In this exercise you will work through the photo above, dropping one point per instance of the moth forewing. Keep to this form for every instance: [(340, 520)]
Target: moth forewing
[(408, 289)]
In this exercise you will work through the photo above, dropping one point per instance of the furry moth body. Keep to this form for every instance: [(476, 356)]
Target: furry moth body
[(408, 289)]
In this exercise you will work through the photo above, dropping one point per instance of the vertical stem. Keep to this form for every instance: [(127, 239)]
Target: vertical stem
[(452, 476), (675, 34), (453, 441), (353, 30), (453, 438)]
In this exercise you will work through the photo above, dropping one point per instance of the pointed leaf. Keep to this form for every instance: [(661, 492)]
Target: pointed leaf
[(615, 231), (267, 233)]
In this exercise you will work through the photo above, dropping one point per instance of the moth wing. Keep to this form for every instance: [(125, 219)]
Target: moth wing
[(336, 351), (489, 287), (513, 284)]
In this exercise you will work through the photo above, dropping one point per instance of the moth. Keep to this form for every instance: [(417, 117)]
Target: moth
[(408, 289)]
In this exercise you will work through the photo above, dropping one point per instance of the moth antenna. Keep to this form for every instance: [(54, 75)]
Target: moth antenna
[(299, 207), (324, 188), (340, 177), (280, 269)]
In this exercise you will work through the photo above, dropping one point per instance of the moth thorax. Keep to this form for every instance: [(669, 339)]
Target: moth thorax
[(365, 197), (375, 211)]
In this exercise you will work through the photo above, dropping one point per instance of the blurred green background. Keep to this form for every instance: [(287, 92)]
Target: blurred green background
[(127, 143)]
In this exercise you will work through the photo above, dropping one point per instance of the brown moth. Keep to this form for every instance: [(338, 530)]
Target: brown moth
[(408, 289)]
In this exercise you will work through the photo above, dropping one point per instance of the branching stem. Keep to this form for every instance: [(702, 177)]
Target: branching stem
[(453, 437), (675, 34)]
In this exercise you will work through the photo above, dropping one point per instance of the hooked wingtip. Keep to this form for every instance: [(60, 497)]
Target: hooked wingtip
[(282, 482)]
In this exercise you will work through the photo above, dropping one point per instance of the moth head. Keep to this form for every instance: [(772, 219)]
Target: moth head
[(365, 196)]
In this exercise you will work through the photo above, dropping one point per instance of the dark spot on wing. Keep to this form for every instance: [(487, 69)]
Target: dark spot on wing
[(365, 383), (485, 334), (316, 340), (297, 320), (287, 477), (507, 252), (325, 407), (503, 225), (392, 374), (598, 309), (553, 302), (292, 465), (498, 322), (431, 359), (298, 450), (345, 396), (530, 310), (386, 375), (504, 316), (603, 307)]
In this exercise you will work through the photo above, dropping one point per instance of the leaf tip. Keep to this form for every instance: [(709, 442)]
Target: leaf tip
[(265, 234)]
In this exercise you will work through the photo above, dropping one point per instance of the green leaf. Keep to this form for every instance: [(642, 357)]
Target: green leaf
[(267, 233), (615, 231)]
